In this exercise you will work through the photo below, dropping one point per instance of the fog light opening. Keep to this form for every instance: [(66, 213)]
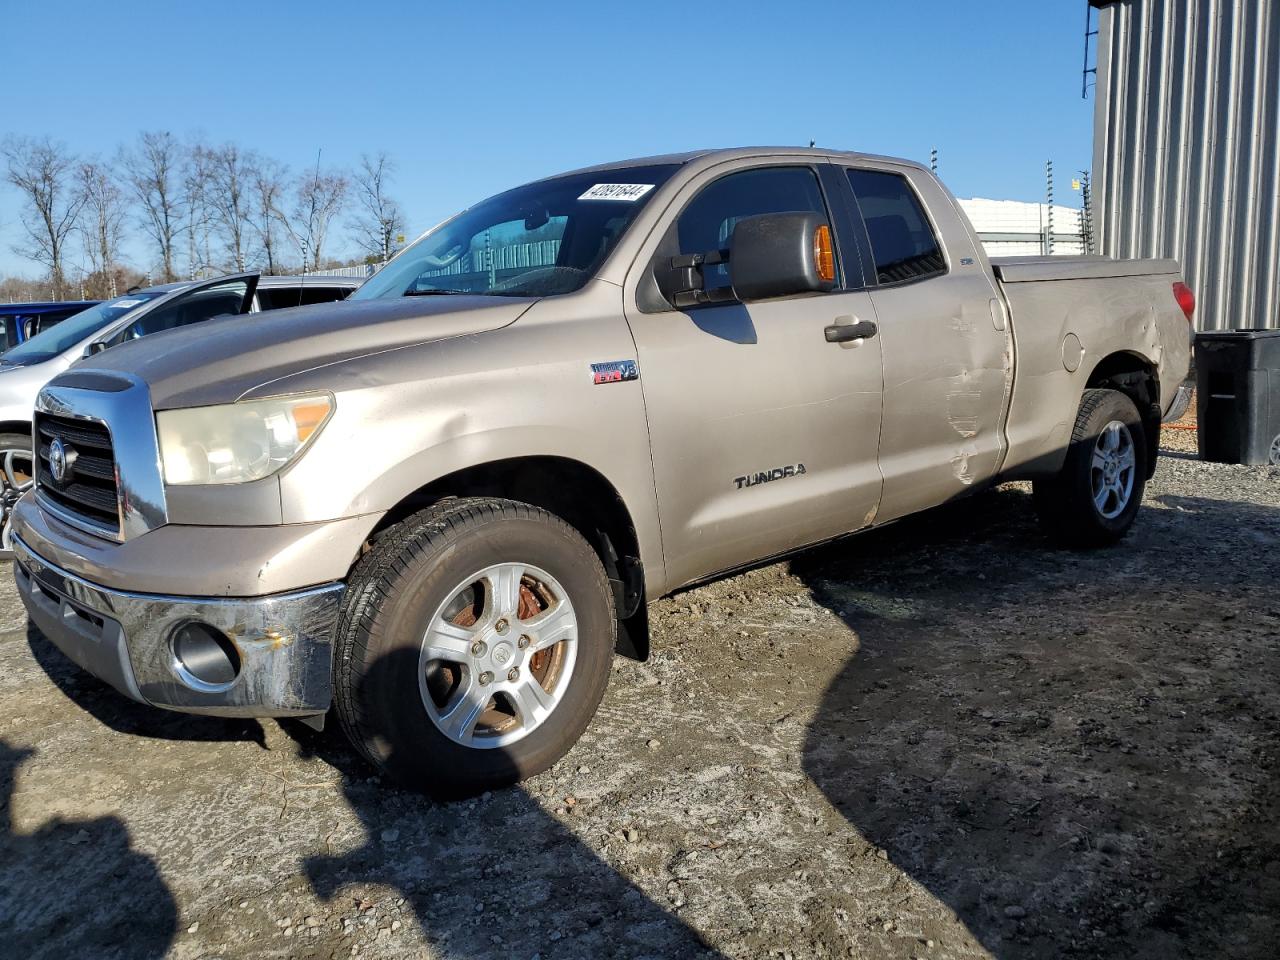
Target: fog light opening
[(204, 658)]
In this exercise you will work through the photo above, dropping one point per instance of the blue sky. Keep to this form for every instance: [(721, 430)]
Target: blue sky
[(471, 98)]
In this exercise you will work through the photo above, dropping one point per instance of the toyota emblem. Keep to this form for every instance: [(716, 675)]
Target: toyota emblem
[(58, 460)]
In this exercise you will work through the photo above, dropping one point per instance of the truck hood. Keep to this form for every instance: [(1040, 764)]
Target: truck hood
[(221, 360)]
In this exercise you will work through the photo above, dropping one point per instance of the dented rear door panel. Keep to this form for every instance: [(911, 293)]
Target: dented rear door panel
[(948, 365)]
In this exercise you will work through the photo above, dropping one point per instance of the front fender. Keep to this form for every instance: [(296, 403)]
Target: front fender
[(523, 391)]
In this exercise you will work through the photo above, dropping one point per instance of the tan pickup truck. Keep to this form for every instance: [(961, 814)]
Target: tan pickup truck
[(440, 506)]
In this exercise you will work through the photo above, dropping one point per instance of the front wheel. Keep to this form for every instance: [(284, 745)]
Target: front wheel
[(16, 477), (474, 646), (1094, 499)]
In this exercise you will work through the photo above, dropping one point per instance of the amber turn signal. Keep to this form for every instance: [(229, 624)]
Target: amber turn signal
[(307, 417), (824, 254)]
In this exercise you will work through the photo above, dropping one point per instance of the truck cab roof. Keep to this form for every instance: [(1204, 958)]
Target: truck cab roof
[(713, 155)]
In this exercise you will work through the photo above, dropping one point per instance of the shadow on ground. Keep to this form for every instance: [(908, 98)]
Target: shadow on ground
[(1059, 746), (76, 888), (492, 877)]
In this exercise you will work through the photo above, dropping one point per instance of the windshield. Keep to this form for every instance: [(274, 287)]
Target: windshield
[(49, 343), (539, 240)]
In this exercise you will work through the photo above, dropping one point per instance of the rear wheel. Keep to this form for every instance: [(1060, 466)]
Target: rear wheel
[(1094, 500), (16, 478), (474, 647)]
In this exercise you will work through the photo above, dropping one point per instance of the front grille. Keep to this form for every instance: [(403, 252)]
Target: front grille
[(88, 491)]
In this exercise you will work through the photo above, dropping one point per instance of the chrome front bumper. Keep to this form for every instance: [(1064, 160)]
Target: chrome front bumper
[(283, 642)]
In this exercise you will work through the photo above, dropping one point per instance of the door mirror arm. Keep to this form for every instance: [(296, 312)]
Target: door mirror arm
[(683, 284)]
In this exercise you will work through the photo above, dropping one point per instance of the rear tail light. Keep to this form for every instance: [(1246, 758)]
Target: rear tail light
[(1186, 299)]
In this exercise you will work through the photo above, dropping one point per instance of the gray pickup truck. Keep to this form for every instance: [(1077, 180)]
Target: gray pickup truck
[(439, 507)]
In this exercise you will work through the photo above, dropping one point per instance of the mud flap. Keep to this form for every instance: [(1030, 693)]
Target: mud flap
[(633, 635)]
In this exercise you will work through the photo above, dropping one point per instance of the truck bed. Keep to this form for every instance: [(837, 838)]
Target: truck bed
[(1070, 316)]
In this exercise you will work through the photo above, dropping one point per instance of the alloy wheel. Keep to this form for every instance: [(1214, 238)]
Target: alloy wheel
[(1113, 469), (498, 655)]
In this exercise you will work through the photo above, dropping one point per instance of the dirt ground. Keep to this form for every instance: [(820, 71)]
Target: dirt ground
[(941, 740)]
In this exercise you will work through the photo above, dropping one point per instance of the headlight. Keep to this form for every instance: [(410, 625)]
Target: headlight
[(237, 442)]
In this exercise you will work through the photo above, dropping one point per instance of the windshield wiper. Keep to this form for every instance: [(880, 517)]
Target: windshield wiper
[(434, 293)]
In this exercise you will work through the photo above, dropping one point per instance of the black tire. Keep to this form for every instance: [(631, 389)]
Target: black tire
[(1065, 502), (393, 593), (8, 495)]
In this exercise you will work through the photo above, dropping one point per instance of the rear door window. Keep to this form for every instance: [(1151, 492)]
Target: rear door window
[(903, 243)]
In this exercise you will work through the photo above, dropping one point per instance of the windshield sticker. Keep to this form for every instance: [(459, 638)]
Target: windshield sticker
[(125, 304), (629, 192)]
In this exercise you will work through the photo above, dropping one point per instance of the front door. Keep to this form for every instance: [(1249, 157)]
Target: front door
[(764, 434)]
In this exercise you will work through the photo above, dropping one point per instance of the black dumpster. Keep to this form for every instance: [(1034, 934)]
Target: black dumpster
[(1238, 395)]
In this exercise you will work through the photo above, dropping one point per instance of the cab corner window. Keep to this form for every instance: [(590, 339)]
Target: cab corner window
[(707, 222), (902, 240)]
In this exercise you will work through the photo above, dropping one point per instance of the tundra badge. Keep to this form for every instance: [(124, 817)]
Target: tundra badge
[(766, 476)]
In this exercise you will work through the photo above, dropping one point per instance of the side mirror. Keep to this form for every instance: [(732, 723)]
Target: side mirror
[(781, 254), (95, 348)]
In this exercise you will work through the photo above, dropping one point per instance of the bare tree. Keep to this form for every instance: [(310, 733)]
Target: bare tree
[(379, 219), (153, 171), (266, 209), (101, 225), (43, 172), (231, 180), (197, 210), (318, 199)]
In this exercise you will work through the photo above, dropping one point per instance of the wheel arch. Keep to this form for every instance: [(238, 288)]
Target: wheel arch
[(578, 494), (9, 490), (1138, 378)]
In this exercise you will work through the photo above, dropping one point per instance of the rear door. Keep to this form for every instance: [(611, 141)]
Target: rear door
[(946, 345), (764, 434)]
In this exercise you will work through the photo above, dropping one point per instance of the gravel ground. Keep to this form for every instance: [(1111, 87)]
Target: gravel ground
[(944, 739)]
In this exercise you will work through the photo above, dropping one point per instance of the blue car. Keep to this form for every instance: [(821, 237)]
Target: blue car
[(20, 322)]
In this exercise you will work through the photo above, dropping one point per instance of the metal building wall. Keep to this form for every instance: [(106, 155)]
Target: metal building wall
[(1187, 148)]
